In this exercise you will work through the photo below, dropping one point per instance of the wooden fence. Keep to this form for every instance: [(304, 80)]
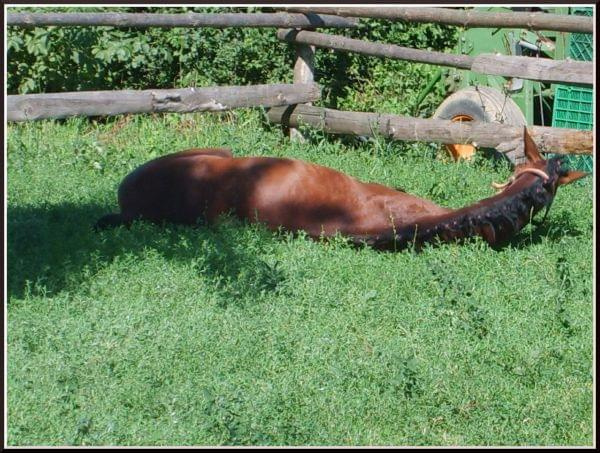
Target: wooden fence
[(290, 104), (465, 18), (542, 69), (213, 99), (503, 137), (215, 20)]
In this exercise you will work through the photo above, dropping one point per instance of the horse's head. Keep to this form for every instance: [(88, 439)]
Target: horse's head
[(551, 171)]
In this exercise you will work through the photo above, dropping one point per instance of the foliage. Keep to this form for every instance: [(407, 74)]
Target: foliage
[(57, 59), (233, 335), (365, 83)]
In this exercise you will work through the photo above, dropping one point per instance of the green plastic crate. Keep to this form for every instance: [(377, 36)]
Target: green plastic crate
[(580, 44), (573, 106)]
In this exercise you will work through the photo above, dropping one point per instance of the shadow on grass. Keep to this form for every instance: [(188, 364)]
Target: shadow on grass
[(554, 228), (51, 248)]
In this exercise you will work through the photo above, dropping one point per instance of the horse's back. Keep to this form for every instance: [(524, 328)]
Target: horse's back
[(192, 184), (164, 188), (203, 184)]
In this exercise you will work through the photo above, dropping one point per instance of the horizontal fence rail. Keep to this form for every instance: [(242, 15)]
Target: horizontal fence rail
[(375, 49), (465, 18), (542, 69), (503, 137), (216, 20), (213, 99)]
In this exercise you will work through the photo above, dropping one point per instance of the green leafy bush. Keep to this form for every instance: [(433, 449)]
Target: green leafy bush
[(56, 59)]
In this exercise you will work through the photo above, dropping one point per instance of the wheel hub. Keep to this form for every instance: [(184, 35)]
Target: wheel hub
[(459, 151)]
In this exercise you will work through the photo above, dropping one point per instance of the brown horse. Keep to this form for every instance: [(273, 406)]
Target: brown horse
[(201, 184)]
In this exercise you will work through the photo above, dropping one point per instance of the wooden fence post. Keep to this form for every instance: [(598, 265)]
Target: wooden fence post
[(304, 72)]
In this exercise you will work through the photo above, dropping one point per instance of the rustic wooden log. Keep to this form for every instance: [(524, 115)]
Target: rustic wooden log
[(546, 69), (373, 48), (542, 69), (212, 99), (461, 17), (216, 20), (304, 72), (504, 138)]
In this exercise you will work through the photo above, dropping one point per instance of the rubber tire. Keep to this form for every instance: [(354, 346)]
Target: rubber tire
[(484, 104)]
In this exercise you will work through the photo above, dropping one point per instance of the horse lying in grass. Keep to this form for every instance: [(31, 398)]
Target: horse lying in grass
[(202, 184)]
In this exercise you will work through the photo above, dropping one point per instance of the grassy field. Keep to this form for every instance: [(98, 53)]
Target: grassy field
[(237, 336)]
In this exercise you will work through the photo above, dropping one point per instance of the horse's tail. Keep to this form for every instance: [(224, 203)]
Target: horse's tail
[(109, 221)]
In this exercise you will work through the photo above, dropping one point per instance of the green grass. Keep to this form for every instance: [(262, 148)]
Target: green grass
[(233, 335)]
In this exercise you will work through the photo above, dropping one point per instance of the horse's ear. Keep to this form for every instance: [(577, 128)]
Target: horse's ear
[(571, 176), (531, 149)]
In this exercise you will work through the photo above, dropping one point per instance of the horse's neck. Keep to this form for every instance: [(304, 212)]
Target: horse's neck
[(407, 208), (495, 219)]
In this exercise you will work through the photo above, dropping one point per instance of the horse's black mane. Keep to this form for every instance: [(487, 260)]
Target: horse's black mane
[(505, 216)]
